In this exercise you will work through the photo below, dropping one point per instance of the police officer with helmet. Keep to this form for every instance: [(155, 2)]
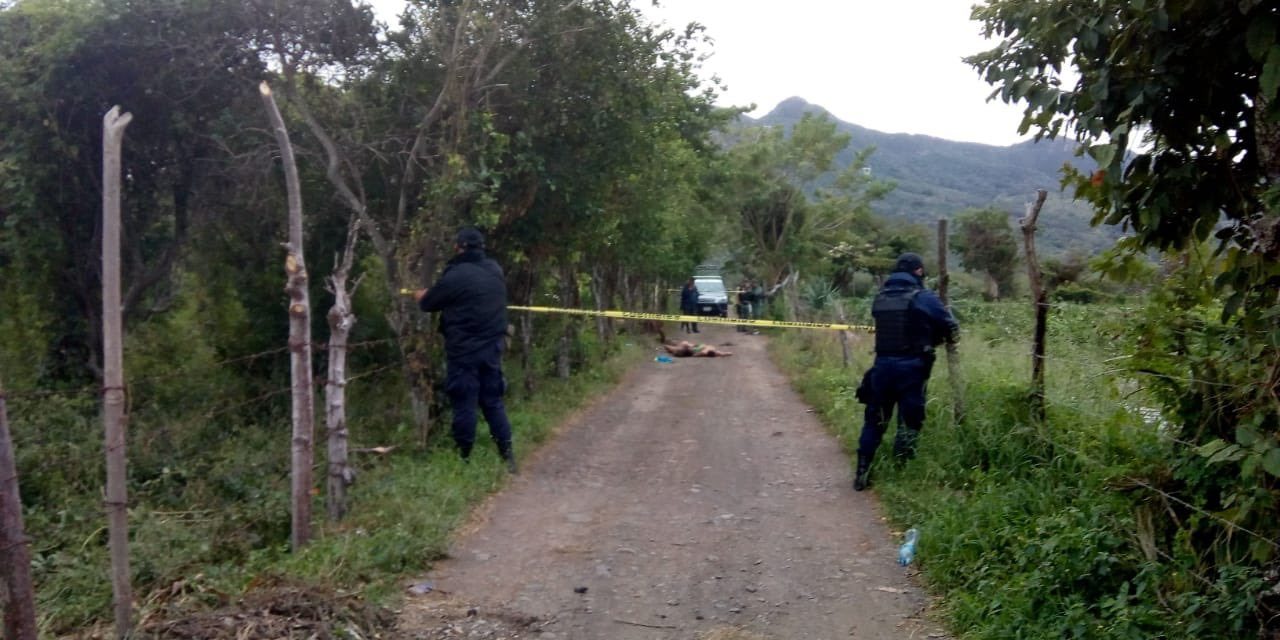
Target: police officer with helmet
[(910, 322)]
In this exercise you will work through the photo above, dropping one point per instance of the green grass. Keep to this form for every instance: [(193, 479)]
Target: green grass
[(210, 522), (1027, 530)]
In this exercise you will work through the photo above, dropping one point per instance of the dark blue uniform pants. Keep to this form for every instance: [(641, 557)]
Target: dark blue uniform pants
[(894, 381), (476, 379)]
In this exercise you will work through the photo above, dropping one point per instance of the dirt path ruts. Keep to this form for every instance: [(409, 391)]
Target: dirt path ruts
[(698, 496)]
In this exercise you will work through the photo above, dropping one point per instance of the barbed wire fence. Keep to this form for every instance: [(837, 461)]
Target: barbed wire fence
[(238, 398)]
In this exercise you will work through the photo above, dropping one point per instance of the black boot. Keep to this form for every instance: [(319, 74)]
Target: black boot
[(508, 455), (464, 452), (862, 477)]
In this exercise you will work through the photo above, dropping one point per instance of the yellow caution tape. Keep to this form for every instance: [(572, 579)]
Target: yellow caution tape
[(636, 315)]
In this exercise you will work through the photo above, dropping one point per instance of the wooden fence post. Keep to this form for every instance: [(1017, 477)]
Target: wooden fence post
[(304, 420), (17, 595), (1041, 303), (342, 320), (844, 335), (113, 396), (953, 354)]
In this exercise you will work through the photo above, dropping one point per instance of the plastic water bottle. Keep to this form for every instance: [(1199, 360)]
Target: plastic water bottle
[(908, 549), (663, 359)]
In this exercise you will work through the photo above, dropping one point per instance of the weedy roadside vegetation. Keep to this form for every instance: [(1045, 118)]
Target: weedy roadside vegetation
[(1071, 528), (209, 492)]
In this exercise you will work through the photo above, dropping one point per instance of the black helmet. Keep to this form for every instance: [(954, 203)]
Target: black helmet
[(908, 262), (469, 238)]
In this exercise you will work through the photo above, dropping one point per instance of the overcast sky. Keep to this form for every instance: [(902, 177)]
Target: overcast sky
[(889, 65)]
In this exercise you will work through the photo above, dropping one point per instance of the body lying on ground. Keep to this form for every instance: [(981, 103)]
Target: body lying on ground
[(685, 349)]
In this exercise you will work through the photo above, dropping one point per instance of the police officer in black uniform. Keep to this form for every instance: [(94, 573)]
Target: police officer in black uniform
[(910, 322), (471, 296)]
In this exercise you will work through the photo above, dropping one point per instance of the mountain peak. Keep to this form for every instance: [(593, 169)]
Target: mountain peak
[(935, 178), (794, 107)]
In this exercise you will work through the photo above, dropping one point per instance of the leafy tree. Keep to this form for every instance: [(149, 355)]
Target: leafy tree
[(177, 67), (985, 242), (607, 137), (1198, 83), (782, 228)]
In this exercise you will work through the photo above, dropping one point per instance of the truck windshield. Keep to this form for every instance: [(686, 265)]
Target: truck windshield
[(709, 286)]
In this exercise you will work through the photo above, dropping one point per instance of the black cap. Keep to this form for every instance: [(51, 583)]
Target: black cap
[(908, 262), (469, 238)]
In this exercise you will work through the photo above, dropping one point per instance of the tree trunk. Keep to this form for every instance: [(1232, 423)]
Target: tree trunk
[(1040, 298), (629, 292), (113, 397), (526, 355), (953, 354), (598, 291), (413, 356), (341, 321), (299, 336), (17, 596), (524, 284), (568, 286), (993, 287)]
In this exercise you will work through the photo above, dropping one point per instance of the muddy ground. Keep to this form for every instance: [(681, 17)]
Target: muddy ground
[(698, 499)]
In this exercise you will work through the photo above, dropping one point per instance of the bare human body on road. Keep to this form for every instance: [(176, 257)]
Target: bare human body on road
[(686, 349)]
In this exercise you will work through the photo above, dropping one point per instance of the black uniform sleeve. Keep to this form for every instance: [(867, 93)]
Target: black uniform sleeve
[(442, 293), (944, 324)]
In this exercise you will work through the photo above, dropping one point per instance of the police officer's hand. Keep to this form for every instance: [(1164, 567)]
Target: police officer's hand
[(419, 294)]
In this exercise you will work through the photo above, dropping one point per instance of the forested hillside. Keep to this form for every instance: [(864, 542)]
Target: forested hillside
[(936, 178)]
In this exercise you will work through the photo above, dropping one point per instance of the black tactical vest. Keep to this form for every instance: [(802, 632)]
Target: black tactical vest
[(892, 310)]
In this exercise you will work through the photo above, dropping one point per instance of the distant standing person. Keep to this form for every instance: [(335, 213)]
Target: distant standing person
[(910, 322), (744, 304), (689, 305), (758, 299), (471, 296)]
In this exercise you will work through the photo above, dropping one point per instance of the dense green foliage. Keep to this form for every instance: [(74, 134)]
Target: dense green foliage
[(1049, 530), (1197, 83)]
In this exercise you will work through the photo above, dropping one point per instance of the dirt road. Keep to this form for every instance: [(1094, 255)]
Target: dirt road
[(699, 499)]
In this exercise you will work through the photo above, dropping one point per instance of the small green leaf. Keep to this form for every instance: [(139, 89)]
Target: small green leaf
[(1211, 447), (1270, 79), (1103, 153), (1271, 462), (1230, 453), (1246, 435)]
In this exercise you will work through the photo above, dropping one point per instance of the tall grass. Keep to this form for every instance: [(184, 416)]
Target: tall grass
[(1029, 530)]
